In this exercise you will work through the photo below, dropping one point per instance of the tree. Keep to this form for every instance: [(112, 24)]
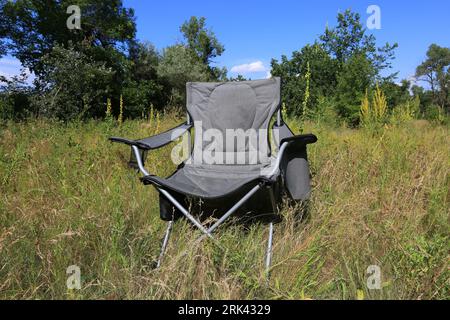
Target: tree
[(239, 78), (35, 26), (200, 40), (73, 85), (435, 71), (360, 62), (143, 87), (292, 71), (425, 97), (396, 94), (39, 37), (177, 67), (349, 38), (343, 65), (353, 80), (14, 97), (203, 44), (145, 59), (3, 29)]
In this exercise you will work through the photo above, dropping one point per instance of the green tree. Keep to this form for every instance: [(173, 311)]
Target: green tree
[(177, 67), (14, 97), (323, 70), (396, 94), (3, 28), (200, 40), (355, 77), (38, 36), (34, 26), (239, 77), (72, 86), (349, 38), (343, 65), (425, 97), (435, 71), (203, 43), (143, 87), (360, 62)]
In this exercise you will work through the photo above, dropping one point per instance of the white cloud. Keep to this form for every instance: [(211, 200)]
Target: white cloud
[(10, 62), (257, 66), (10, 67)]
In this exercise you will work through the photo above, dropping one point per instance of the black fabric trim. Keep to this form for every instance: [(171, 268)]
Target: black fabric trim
[(129, 142), (301, 139), (153, 180)]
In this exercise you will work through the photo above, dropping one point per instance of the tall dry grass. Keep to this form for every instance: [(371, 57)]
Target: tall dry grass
[(67, 198)]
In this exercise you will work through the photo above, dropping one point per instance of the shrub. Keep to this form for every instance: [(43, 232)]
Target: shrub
[(436, 114), (373, 113), (74, 86), (406, 111)]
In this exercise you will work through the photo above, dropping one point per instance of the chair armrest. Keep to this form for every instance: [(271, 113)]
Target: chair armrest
[(156, 141), (302, 139), (140, 148), (293, 141), (129, 142)]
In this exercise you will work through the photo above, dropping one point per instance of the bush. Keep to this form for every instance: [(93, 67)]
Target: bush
[(324, 112), (177, 67), (353, 80), (406, 111), (436, 114), (373, 113), (14, 97), (74, 86)]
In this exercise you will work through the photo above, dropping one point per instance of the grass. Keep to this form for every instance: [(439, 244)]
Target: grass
[(67, 198)]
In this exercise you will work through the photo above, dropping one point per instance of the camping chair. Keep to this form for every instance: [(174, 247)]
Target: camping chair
[(230, 166)]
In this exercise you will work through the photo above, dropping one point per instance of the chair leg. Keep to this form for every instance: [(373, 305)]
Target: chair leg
[(164, 244), (269, 252)]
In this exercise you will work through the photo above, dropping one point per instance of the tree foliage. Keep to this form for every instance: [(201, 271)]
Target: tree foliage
[(14, 97), (355, 77), (35, 26), (343, 64), (73, 85), (177, 67), (292, 71), (3, 28), (200, 40), (349, 38), (203, 44), (78, 70), (435, 71), (143, 88)]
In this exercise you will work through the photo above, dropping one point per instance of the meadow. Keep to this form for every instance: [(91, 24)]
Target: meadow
[(380, 197)]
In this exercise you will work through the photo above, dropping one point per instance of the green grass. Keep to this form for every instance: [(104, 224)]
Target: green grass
[(68, 198)]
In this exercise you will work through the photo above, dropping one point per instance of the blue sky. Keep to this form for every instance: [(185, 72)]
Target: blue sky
[(253, 31)]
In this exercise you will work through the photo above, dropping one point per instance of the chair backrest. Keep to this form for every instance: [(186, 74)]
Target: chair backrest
[(231, 120)]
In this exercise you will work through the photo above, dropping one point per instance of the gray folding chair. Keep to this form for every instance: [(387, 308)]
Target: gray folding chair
[(231, 167)]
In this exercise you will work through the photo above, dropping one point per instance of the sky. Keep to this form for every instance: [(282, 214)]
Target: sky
[(253, 32)]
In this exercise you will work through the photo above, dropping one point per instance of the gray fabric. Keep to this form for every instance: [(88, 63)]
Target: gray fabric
[(211, 181), (295, 170), (294, 165), (220, 106), (156, 141), (164, 138), (234, 105), (259, 206), (281, 132)]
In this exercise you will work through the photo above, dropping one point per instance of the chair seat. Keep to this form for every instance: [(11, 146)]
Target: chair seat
[(211, 181)]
